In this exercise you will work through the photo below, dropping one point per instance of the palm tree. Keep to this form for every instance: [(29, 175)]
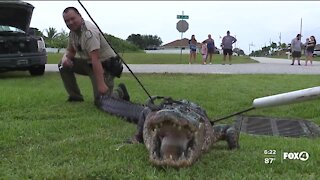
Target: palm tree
[(61, 40), (51, 33)]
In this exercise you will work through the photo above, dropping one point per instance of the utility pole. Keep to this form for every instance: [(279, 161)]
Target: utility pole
[(301, 27), (251, 44), (280, 45), (270, 41), (280, 38)]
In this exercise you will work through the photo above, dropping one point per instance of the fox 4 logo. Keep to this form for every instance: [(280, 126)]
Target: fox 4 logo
[(302, 156)]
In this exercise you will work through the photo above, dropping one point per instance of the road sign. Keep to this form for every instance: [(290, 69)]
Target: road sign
[(182, 26), (182, 17)]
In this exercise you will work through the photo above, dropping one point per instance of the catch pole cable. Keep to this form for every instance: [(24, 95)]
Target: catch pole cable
[(145, 90)]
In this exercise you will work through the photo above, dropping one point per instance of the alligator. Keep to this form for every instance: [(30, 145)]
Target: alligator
[(175, 133)]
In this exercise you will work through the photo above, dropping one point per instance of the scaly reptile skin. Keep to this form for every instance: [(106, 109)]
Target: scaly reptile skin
[(176, 134)]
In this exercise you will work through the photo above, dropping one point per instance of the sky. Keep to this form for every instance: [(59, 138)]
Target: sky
[(254, 23)]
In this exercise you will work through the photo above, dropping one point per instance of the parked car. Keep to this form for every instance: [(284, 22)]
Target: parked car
[(316, 52), (20, 48)]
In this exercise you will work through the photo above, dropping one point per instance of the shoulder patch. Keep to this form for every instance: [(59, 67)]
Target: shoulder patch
[(88, 34)]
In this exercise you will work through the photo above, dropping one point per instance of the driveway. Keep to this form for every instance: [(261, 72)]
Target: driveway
[(266, 66)]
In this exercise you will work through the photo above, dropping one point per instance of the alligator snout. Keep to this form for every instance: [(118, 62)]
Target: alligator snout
[(173, 140)]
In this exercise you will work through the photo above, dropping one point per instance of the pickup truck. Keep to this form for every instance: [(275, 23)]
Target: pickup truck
[(20, 48)]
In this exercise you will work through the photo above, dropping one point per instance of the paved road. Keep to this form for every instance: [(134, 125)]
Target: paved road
[(266, 66)]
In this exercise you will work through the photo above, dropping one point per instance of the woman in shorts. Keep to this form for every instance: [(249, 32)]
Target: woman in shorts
[(193, 49), (310, 49)]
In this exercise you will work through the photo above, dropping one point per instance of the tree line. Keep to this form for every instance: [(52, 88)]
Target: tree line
[(134, 42), (271, 50)]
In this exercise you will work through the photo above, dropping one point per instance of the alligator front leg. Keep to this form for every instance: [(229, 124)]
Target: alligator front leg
[(138, 137), (228, 133)]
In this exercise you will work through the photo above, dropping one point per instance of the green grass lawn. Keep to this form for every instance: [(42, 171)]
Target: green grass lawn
[(316, 58), (143, 58), (44, 137)]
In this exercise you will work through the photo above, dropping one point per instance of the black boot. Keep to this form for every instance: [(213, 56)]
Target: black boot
[(75, 99)]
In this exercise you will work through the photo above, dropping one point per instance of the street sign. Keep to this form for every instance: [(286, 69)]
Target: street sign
[(182, 26), (182, 17)]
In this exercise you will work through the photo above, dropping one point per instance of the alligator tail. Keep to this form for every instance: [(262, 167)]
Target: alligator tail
[(118, 107)]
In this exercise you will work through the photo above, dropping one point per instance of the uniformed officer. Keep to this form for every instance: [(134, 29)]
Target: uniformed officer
[(86, 53)]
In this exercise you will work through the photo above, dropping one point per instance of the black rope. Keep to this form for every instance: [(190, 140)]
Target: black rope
[(212, 122), (231, 115), (115, 51)]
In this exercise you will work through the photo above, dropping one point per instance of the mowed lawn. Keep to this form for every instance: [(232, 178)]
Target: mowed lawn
[(303, 57), (44, 137), (144, 58)]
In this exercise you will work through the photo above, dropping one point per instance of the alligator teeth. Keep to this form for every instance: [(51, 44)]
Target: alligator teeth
[(170, 157), (183, 156), (190, 152), (196, 141), (154, 155), (200, 125), (179, 128)]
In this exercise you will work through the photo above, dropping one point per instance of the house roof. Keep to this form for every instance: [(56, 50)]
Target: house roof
[(178, 43)]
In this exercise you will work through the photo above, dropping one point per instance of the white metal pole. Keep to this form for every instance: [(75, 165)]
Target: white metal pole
[(287, 98)]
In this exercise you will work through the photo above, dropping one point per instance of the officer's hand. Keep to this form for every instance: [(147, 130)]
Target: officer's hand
[(103, 89), (66, 62)]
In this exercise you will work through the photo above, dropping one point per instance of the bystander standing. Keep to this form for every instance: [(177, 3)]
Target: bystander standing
[(226, 45), (210, 47), (204, 52), (296, 47), (193, 49), (310, 49)]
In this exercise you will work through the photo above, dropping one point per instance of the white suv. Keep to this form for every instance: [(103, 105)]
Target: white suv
[(316, 52)]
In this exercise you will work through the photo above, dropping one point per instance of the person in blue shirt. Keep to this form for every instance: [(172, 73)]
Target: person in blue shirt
[(210, 47), (193, 49)]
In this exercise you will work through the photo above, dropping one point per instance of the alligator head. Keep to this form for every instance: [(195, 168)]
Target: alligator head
[(175, 137), (175, 133)]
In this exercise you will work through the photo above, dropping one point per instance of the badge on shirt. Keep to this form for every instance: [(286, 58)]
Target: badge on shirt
[(88, 34)]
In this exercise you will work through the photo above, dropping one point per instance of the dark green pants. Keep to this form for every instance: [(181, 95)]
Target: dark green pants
[(81, 66)]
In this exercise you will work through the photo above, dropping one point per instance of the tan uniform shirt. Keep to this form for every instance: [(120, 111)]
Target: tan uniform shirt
[(90, 39)]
